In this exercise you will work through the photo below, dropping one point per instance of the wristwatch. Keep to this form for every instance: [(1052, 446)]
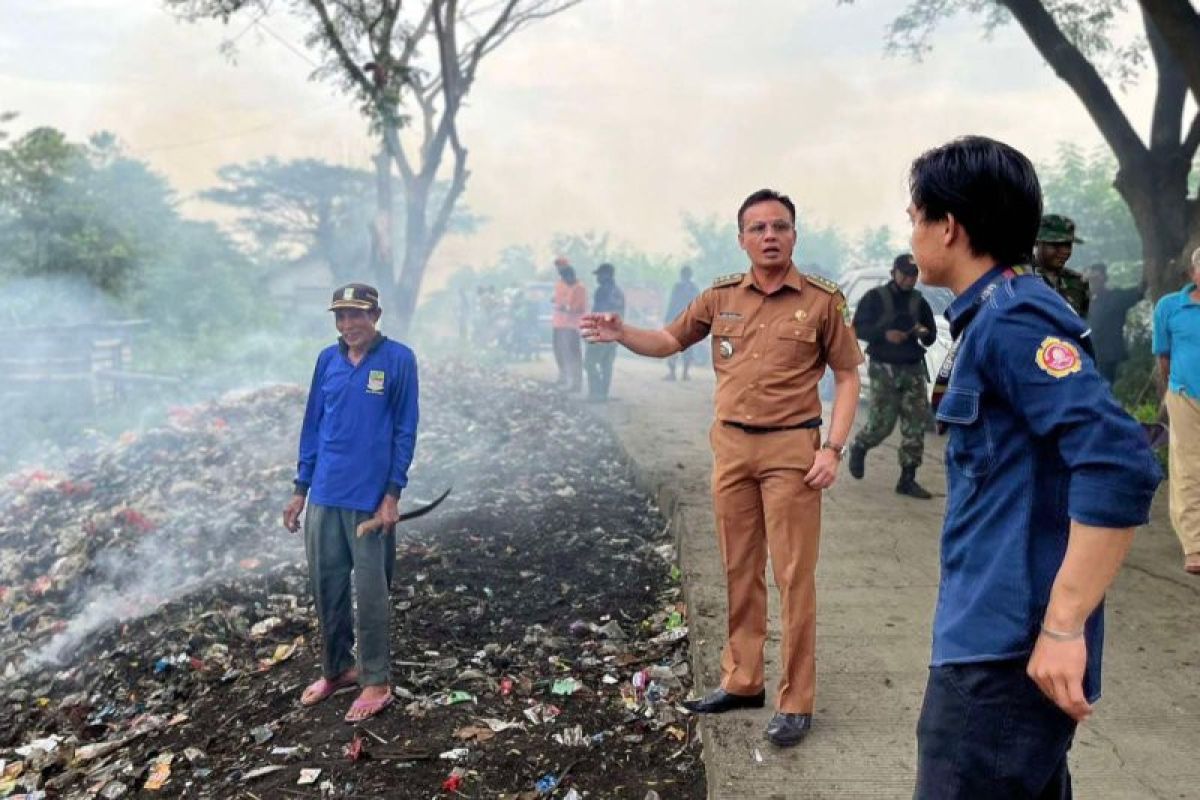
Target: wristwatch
[(836, 448)]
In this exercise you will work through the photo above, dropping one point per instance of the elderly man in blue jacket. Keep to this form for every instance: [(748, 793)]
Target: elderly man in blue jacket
[(356, 445), (1046, 479)]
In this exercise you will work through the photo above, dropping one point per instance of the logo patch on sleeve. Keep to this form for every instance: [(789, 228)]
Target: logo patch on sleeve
[(1058, 358), (375, 381)]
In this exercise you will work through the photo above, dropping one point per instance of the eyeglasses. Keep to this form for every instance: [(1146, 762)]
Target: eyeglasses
[(779, 227)]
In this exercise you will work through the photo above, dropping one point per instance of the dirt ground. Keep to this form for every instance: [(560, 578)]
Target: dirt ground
[(540, 641)]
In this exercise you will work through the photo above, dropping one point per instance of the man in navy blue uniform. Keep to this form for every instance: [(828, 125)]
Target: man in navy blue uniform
[(356, 445), (1047, 476)]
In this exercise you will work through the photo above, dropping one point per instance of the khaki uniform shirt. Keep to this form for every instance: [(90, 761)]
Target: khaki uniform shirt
[(770, 351)]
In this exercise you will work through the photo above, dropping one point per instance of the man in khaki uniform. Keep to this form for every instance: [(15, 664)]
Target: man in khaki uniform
[(774, 330)]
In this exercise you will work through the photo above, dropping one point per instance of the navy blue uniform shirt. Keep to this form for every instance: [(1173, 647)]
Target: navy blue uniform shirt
[(1035, 440), (360, 426)]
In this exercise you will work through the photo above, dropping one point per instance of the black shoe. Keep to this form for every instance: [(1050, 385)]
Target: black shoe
[(787, 730), (858, 460), (719, 701), (909, 487)]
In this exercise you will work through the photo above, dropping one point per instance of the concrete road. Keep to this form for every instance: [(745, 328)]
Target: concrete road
[(877, 582)]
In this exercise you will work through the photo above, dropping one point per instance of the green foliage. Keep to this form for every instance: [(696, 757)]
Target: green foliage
[(304, 209), (296, 208), (54, 214), (1091, 25)]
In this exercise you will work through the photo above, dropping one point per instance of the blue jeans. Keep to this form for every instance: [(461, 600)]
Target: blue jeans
[(986, 731)]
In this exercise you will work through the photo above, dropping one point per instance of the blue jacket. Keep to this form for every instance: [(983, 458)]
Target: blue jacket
[(1036, 440), (360, 426)]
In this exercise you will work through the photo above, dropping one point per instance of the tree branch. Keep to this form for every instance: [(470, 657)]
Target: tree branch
[(1179, 26), (334, 40), (1166, 123), (1192, 141), (1077, 72)]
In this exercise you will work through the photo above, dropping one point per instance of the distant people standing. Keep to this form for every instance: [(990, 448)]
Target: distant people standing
[(897, 324), (1055, 241), (598, 363), (682, 294), (570, 302), (1107, 317), (1177, 345)]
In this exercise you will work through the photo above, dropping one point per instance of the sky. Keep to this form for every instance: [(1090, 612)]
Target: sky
[(618, 116)]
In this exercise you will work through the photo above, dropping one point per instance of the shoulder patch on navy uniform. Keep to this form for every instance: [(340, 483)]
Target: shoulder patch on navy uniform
[(822, 283), (728, 280)]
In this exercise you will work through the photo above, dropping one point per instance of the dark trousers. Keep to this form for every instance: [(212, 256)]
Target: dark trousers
[(1107, 367), (598, 364), (334, 552), (987, 732), (568, 355)]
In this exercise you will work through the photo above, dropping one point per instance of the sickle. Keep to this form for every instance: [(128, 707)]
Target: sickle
[(374, 523)]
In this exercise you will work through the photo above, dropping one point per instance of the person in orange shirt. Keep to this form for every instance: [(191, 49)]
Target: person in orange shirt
[(570, 301), (774, 331)]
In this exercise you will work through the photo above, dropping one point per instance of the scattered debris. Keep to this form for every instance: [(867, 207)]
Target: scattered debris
[(160, 628)]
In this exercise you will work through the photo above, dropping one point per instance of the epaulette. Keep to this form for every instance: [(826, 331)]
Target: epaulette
[(821, 283), (728, 280)]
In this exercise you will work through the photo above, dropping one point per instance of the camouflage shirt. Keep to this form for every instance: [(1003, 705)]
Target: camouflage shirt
[(1072, 286)]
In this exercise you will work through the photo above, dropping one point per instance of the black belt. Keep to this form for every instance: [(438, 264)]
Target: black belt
[(815, 422)]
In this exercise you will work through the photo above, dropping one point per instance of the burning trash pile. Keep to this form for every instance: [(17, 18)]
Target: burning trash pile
[(157, 626)]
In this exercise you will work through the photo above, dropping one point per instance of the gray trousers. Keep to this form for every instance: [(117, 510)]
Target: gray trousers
[(334, 551)]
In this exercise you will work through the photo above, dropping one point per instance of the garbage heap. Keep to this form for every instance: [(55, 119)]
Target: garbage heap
[(157, 626)]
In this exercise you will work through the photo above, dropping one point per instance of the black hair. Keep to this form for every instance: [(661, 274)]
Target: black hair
[(903, 260), (765, 196), (990, 188)]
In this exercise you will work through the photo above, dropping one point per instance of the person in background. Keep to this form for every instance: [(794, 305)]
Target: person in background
[(1046, 477), (897, 324), (1055, 242), (1177, 345), (356, 445), (682, 293), (570, 301), (598, 363), (1107, 313)]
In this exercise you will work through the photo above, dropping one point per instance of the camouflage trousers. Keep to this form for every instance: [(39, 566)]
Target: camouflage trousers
[(897, 390)]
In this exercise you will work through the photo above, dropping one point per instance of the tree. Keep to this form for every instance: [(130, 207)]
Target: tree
[(55, 218), (1077, 40), (384, 57), (297, 209)]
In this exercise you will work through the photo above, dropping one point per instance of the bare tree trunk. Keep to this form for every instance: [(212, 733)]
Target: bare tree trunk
[(417, 250), (382, 259)]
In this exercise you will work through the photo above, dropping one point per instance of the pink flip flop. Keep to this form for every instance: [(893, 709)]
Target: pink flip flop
[(323, 689), (367, 708)]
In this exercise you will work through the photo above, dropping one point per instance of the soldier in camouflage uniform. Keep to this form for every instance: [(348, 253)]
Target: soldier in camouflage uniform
[(1055, 240), (897, 324)]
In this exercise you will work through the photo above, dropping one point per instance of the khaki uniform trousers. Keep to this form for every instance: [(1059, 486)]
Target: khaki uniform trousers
[(1184, 465), (762, 504)]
